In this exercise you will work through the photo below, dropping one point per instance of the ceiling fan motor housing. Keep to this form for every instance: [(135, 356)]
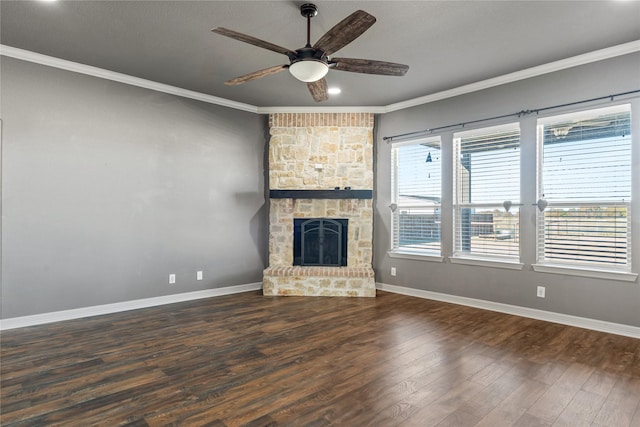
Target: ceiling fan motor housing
[(307, 54)]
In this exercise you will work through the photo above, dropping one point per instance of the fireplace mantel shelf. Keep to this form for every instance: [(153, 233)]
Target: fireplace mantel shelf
[(321, 194)]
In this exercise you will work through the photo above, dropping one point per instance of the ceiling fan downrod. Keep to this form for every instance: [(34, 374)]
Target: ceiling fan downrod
[(308, 10)]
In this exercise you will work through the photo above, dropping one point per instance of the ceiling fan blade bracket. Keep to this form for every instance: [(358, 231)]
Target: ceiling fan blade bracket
[(318, 54)]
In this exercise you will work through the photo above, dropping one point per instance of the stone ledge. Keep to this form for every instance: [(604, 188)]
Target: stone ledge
[(298, 271), (320, 286)]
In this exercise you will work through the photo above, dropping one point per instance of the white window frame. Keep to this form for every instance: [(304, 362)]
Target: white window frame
[(463, 257), (579, 268)]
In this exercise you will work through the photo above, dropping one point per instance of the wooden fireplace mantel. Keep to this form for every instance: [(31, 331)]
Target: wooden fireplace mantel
[(321, 194)]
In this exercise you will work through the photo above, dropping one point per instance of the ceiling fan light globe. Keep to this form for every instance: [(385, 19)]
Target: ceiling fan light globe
[(309, 70)]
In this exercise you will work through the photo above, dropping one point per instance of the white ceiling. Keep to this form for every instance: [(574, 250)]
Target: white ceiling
[(447, 44)]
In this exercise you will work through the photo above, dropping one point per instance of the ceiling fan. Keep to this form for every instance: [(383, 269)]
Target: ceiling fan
[(311, 63)]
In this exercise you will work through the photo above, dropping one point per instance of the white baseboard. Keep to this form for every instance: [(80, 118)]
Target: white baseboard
[(58, 316), (564, 319)]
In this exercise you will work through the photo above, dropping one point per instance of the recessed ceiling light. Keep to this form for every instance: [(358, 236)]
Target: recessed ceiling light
[(334, 90)]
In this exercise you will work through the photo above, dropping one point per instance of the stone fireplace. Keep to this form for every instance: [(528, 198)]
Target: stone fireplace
[(321, 168)]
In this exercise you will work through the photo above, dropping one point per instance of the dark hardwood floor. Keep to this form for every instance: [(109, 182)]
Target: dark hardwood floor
[(250, 360)]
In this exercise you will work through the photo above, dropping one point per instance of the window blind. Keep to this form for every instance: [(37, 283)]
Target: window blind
[(487, 174), (585, 177)]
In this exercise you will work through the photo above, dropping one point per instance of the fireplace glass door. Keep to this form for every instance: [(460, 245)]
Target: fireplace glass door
[(320, 242)]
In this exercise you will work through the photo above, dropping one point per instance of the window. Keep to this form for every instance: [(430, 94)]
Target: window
[(487, 193), (416, 196), (585, 183)]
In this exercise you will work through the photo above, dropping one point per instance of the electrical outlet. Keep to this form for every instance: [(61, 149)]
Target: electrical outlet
[(172, 279), (199, 275), (541, 291), (393, 271)]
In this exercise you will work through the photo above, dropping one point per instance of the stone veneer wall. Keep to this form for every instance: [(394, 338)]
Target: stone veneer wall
[(341, 143), (320, 152)]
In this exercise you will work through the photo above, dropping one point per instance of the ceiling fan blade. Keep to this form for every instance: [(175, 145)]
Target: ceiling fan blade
[(345, 31), (369, 66), (251, 40), (318, 90), (256, 75)]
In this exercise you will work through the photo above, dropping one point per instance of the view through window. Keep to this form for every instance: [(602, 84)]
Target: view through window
[(416, 196)]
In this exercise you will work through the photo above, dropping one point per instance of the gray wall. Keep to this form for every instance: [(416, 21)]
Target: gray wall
[(608, 300), (109, 188)]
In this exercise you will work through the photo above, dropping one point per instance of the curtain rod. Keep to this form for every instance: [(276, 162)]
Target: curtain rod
[(504, 116)]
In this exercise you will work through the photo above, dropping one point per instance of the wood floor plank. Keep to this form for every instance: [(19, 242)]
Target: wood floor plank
[(437, 411), (249, 360), (582, 410), (528, 420), (621, 404), (514, 406), (600, 383), (490, 397), (556, 398), (635, 421)]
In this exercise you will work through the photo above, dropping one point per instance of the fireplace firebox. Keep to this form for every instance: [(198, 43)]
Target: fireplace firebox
[(320, 242)]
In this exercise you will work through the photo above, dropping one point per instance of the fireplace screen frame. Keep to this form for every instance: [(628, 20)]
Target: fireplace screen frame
[(316, 235)]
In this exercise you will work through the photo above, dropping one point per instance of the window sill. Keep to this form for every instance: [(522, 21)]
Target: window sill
[(417, 255), (483, 262), (586, 272)]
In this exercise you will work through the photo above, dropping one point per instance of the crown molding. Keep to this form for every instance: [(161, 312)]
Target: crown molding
[(350, 109), (574, 61), (75, 67)]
